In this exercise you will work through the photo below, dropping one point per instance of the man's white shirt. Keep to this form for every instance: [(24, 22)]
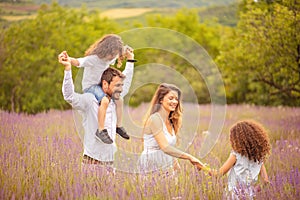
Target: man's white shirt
[(87, 105)]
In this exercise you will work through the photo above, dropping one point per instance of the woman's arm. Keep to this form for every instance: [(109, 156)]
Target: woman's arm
[(156, 125)]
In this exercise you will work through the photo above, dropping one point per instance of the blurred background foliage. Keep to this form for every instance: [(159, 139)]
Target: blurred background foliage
[(255, 44)]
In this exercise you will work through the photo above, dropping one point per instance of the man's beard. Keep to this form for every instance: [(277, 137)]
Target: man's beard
[(116, 95)]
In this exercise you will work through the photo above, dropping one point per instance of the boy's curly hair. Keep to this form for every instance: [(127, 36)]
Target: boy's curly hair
[(250, 139)]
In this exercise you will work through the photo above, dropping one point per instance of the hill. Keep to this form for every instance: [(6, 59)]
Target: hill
[(226, 14), (139, 3)]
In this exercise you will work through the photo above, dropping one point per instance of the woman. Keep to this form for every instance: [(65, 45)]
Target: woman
[(162, 125)]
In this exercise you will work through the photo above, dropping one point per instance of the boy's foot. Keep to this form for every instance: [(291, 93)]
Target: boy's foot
[(103, 136), (122, 132)]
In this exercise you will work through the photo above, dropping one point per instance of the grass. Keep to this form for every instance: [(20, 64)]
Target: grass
[(40, 158)]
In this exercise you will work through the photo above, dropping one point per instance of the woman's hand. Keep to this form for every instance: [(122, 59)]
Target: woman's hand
[(197, 163)]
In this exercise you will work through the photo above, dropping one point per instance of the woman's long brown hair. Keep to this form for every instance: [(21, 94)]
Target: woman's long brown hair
[(175, 117)]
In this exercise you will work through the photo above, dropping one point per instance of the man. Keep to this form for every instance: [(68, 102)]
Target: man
[(115, 85)]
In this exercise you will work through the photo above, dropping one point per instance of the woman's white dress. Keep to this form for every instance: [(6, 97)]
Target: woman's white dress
[(152, 157)]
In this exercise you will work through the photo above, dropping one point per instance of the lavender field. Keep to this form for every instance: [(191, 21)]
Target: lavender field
[(40, 158)]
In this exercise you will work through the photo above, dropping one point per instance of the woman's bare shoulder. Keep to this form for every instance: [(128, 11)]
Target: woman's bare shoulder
[(154, 118), (154, 122)]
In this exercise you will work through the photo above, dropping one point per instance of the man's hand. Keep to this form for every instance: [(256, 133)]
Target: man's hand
[(64, 59)]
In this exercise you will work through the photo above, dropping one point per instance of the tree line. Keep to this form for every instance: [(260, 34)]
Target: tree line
[(259, 59)]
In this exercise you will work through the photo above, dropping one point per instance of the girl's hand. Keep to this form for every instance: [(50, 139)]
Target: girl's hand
[(64, 59), (213, 172), (63, 56), (129, 52)]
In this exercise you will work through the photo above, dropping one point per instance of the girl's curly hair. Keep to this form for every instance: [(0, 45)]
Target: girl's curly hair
[(250, 139), (107, 47)]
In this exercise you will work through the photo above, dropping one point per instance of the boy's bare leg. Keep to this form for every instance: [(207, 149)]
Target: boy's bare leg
[(102, 133), (119, 108), (102, 112)]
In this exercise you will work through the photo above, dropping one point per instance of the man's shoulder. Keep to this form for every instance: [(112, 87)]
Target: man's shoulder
[(88, 98)]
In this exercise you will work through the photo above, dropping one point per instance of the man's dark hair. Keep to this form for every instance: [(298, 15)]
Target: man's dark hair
[(109, 74)]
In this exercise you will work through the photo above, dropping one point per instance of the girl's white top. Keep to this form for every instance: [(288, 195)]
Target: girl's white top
[(244, 173), (93, 70), (152, 157)]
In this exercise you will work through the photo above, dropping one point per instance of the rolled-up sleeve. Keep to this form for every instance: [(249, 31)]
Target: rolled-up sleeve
[(68, 87), (77, 101), (128, 72)]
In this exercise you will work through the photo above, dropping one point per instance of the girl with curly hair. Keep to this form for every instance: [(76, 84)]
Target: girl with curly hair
[(250, 148)]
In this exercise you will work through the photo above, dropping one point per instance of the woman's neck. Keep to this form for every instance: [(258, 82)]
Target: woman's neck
[(164, 114)]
